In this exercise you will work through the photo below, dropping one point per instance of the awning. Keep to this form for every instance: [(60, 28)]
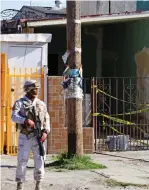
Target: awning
[(97, 19)]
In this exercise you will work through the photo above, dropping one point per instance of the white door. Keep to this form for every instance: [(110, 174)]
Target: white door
[(24, 57)]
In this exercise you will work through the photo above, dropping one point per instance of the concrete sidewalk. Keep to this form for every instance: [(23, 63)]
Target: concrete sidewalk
[(123, 170), (139, 155), (133, 169)]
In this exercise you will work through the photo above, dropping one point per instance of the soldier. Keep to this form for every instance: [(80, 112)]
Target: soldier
[(27, 139)]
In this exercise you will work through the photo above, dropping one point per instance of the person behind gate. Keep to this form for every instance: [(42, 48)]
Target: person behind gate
[(25, 113)]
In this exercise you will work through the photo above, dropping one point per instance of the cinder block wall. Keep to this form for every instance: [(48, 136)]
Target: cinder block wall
[(57, 139)]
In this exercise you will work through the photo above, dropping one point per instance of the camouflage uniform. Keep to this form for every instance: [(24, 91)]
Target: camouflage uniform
[(29, 142)]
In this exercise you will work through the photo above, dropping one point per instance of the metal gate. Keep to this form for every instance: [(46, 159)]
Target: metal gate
[(11, 89), (120, 108)]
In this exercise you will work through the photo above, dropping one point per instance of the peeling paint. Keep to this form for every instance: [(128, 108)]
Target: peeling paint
[(142, 64), (142, 72)]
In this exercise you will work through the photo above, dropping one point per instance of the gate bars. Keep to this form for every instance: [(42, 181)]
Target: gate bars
[(12, 80), (120, 109)]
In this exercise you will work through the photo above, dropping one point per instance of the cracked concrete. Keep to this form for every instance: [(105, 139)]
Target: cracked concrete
[(118, 168), (133, 170)]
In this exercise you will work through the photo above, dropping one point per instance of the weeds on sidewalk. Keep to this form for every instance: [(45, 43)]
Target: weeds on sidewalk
[(114, 183), (62, 161)]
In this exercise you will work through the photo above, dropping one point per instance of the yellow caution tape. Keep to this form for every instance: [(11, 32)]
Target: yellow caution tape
[(141, 142), (119, 121), (128, 113), (94, 86), (134, 112), (98, 90), (116, 130)]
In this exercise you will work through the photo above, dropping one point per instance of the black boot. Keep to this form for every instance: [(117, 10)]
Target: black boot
[(19, 186), (38, 185)]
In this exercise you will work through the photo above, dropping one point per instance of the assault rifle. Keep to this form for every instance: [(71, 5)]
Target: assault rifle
[(37, 131)]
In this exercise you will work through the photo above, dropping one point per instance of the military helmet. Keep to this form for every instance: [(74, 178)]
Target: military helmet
[(30, 84)]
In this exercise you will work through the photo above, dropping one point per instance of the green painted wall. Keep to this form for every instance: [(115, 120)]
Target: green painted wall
[(136, 38), (125, 40)]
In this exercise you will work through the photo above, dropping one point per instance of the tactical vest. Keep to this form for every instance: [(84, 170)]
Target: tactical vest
[(28, 109)]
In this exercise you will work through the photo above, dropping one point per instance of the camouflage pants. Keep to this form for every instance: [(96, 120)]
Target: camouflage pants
[(25, 146)]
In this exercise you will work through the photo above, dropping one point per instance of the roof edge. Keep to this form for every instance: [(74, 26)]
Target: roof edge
[(26, 38), (90, 19)]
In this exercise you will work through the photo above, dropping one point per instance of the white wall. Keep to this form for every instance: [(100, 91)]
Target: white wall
[(24, 56)]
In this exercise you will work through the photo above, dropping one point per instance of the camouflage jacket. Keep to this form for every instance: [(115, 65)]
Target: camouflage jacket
[(21, 108)]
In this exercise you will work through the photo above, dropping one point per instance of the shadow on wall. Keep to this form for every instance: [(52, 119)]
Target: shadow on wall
[(55, 65)]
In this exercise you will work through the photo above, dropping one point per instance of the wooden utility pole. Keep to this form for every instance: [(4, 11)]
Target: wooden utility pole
[(74, 105)]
